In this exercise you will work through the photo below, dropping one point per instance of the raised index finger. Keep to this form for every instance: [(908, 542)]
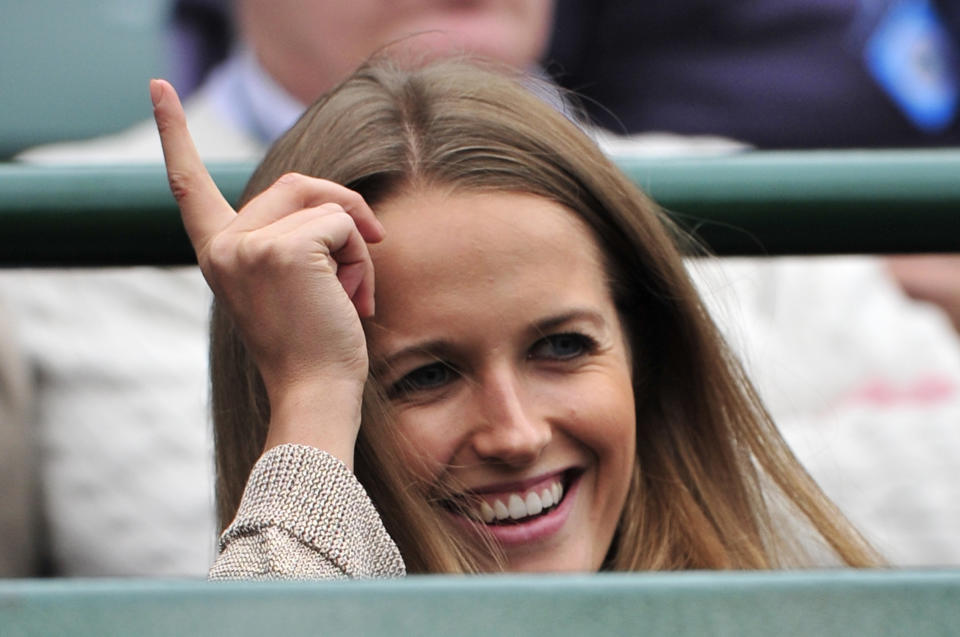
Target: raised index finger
[(202, 206)]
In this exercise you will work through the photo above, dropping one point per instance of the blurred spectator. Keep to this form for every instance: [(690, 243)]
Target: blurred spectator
[(289, 52), (772, 73), (201, 36), (864, 384)]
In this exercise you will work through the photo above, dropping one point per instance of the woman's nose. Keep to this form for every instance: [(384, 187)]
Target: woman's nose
[(509, 427)]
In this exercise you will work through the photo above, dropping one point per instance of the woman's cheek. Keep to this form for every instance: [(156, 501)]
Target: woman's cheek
[(428, 441)]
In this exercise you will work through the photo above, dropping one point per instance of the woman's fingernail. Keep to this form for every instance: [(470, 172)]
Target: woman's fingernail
[(156, 91)]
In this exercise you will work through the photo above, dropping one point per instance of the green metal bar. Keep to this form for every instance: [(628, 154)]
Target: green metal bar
[(752, 203), (98, 215), (825, 604), (812, 202)]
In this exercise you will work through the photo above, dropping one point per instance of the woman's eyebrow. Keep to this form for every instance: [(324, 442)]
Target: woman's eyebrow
[(587, 314), (438, 349)]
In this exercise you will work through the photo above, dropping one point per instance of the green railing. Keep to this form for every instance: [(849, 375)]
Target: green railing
[(752, 203), (820, 604)]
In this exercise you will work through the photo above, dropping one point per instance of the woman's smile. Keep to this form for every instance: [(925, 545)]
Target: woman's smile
[(503, 355), (510, 503), (522, 515)]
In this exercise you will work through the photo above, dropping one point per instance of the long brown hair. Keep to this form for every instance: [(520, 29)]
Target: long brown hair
[(714, 485)]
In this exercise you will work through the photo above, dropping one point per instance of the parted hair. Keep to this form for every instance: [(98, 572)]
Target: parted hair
[(714, 485)]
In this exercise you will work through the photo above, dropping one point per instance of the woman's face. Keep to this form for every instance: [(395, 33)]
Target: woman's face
[(504, 358)]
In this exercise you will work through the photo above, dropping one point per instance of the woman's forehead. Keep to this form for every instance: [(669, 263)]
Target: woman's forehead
[(477, 233), (445, 254)]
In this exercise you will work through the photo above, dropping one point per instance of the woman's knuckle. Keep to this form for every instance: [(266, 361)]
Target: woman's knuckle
[(290, 179), (334, 209), (259, 251), (221, 253), (346, 219), (355, 200), (250, 250)]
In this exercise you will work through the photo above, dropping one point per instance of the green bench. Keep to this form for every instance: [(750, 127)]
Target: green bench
[(753, 203), (808, 604)]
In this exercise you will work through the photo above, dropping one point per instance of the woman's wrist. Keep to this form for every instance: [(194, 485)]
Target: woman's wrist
[(322, 413)]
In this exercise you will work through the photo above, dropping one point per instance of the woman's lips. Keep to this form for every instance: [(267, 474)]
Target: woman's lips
[(518, 516)]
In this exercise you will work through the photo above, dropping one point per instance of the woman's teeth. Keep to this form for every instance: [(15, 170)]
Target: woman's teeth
[(517, 506)]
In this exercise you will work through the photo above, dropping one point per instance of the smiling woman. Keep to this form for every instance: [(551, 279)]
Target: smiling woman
[(537, 386), (508, 369)]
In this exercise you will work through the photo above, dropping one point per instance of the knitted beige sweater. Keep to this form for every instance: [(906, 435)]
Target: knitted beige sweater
[(304, 515)]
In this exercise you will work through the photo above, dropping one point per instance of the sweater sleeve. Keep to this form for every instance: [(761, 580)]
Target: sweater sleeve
[(304, 515)]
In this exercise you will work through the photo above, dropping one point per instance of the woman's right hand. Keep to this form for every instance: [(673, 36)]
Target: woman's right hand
[(293, 270)]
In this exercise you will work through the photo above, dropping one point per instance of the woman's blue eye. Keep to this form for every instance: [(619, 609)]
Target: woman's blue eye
[(423, 378), (562, 346)]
